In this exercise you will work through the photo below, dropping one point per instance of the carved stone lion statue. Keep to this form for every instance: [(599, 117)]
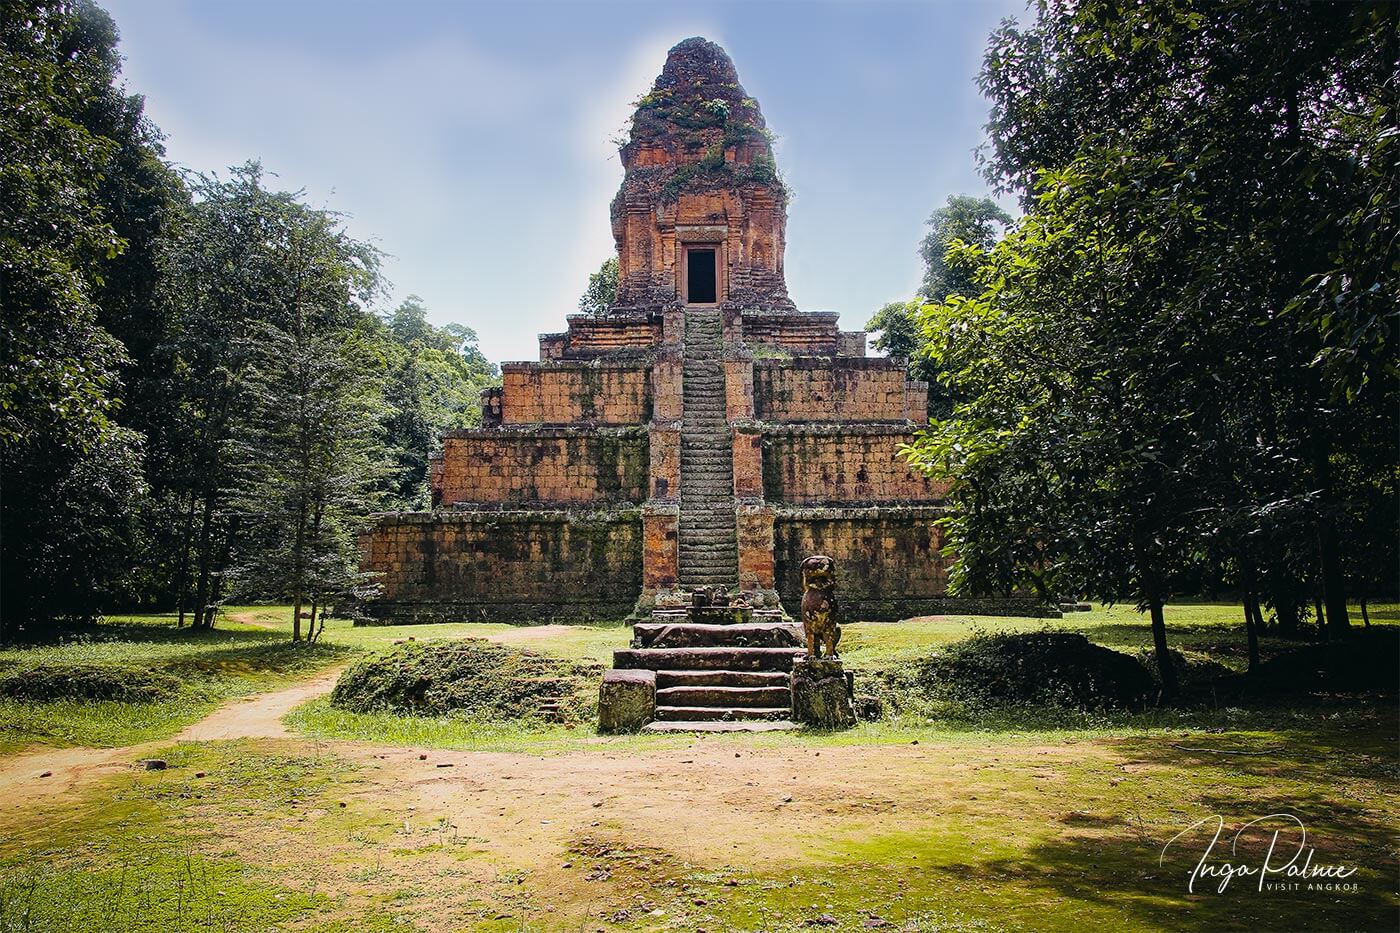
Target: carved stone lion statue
[(819, 606)]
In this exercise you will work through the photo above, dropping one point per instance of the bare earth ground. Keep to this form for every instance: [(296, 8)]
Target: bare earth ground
[(958, 831), (47, 772)]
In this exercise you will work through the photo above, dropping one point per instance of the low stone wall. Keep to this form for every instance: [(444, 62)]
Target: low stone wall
[(570, 392), (592, 336), (803, 332), (817, 389), (888, 564), (532, 566), (842, 464), (550, 466)]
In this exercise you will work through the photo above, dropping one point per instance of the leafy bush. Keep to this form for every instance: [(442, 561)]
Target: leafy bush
[(1049, 668), (473, 677), (88, 682)]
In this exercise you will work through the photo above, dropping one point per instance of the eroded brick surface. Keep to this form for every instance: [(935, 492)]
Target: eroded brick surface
[(542, 467), (475, 565)]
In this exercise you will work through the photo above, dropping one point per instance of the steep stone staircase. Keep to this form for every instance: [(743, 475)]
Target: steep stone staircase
[(716, 669), (709, 553)]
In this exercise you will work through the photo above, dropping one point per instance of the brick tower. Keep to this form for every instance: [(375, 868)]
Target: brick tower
[(702, 432)]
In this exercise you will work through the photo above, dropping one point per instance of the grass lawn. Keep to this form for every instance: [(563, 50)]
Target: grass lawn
[(1053, 820), (233, 660)]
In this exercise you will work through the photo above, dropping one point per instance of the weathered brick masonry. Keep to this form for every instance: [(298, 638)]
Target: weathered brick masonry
[(702, 431), (493, 565), (546, 466)]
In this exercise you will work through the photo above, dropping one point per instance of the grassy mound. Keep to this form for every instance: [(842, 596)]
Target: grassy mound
[(474, 678), (1193, 669), (1366, 661), (1047, 668), (79, 681)]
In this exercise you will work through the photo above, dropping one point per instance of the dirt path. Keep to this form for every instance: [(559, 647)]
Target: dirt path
[(51, 771), (243, 618)]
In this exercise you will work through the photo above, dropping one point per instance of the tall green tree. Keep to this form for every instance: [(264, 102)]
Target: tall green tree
[(947, 271), (964, 219), (601, 290), (70, 472), (312, 460), (434, 380), (249, 266), (1148, 349)]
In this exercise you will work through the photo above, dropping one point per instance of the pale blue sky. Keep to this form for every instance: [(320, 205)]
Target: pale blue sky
[(470, 141)]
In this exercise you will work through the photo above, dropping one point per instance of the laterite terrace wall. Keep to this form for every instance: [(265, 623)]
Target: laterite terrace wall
[(506, 566)]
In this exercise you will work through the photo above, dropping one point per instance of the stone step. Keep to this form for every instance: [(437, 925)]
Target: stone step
[(707, 659), (710, 563), (733, 635), (752, 725), (722, 713), (725, 697), (721, 679)]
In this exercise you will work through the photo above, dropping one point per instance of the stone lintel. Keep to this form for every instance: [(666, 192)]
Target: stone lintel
[(778, 314), (631, 364), (857, 513), (546, 432), (836, 428), (830, 363), (513, 514)]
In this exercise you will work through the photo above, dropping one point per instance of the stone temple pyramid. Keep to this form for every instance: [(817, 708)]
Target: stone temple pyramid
[(703, 432)]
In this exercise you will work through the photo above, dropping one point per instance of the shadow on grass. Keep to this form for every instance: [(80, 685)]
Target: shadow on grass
[(134, 633), (1314, 771), (278, 656), (1121, 873)]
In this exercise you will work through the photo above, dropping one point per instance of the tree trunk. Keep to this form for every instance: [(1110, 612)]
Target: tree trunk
[(1287, 612), (1159, 644), (201, 598), (1365, 616), (1253, 618), (1334, 596), (182, 577), (1321, 620), (1251, 629), (298, 571)]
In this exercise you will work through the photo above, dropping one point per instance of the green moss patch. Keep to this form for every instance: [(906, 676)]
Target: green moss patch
[(87, 682), (472, 678)]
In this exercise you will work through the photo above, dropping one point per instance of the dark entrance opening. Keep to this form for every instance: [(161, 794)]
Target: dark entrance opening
[(700, 277)]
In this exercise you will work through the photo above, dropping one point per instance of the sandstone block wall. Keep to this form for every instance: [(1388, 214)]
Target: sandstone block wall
[(841, 389), (590, 336), (841, 464), (455, 566), (597, 392), (560, 466), (807, 332), (885, 557)]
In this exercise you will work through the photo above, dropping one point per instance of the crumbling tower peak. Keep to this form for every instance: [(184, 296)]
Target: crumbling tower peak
[(700, 219)]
